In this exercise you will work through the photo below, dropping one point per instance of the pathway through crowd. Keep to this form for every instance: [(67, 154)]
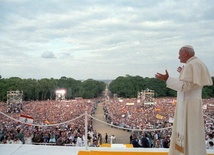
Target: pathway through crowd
[(122, 137)]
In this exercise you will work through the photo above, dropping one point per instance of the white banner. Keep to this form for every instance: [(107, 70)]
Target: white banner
[(26, 119)]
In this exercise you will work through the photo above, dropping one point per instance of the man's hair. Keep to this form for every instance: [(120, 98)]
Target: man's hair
[(211, 143), (189, 49)]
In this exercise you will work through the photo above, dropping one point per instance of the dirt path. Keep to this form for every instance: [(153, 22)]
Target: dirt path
[(122, 137)]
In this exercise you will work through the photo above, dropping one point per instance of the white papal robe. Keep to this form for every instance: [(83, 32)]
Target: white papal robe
[(188, 135)]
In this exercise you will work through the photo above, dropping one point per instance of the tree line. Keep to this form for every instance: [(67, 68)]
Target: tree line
[(44, 89), (128, 86), (123, 86)]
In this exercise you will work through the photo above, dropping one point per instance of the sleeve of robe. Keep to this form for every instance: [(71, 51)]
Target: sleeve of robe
[(178, 85)]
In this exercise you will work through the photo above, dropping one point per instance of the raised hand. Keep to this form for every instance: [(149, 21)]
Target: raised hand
[(163, 77), (179, 69)]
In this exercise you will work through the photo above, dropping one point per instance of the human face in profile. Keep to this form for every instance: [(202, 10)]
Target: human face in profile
[(182, 55)]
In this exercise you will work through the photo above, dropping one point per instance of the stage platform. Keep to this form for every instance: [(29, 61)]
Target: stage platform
[(116, 149)]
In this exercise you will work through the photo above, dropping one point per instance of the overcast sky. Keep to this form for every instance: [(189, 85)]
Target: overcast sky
[(102, 39)]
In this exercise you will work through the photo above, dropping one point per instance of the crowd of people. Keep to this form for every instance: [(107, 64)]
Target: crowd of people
[(152, 120), (149, 125), (48, 127)]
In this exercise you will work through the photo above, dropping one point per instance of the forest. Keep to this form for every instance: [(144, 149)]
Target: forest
[(44, 89), (128, 86), (123, 86)]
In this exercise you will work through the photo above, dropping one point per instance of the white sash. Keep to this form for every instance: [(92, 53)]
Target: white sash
[(181, 122)]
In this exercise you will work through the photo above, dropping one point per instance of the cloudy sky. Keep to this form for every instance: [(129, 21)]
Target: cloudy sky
[(102, 39)]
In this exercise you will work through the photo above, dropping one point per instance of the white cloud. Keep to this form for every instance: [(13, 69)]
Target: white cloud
[(101, 39), (48, 54)]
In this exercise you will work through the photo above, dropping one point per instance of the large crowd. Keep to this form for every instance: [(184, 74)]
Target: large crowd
[(153, 120), (48, 127), (150, 122)]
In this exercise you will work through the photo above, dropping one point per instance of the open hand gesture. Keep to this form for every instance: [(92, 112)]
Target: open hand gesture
[(163, 77)]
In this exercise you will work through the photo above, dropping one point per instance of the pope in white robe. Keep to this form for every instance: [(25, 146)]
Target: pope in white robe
[(188, 134)]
